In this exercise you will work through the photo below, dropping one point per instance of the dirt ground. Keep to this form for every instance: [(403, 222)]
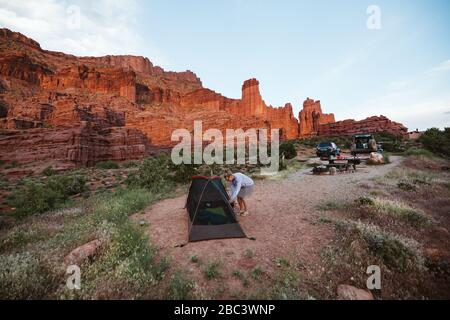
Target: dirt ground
[(283, 219)]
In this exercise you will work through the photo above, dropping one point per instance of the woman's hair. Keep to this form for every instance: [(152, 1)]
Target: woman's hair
[(228, 173)]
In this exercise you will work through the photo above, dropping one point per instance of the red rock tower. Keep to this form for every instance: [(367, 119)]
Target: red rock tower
[(252, 102), (311, 117)]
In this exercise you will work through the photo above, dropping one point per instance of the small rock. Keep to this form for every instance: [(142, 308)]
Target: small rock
[(142, 223), (80, 254), (347, 292), (433, 254), (443, 232)]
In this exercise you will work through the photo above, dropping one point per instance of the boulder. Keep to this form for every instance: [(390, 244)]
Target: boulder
[(376, 158), (347, 292), (82, 253)]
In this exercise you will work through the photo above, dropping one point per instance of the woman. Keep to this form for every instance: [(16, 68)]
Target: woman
[(241, 188)]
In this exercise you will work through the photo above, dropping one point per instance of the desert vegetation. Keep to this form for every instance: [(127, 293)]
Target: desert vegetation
[(400, 224), (397, 220)]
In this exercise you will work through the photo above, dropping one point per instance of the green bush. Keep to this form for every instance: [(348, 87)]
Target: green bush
[(23, 276), (341, 142), (390, 142), (130, 164), (183, 172), (437, 141), (180, 288), (107, 165), (406, 186), (289, 150), (11, 165), (212, 271), (418, 152), (153, 174), (400, 210), (365, 201), (396, 252), (49, 171), (36, 198), (67, 185)]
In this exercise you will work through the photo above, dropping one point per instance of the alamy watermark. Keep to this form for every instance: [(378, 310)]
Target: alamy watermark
[(374, 280), (374, 20), (73, 282), (263, 147), (73, 21)]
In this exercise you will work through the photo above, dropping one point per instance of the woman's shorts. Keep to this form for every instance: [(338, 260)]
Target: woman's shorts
[(245, 192)]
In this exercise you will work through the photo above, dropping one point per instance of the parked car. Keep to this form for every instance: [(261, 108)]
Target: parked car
[(327, 149), (363, 144)]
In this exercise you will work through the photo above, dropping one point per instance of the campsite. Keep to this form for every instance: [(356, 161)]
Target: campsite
[(306, 236), (178, 154)]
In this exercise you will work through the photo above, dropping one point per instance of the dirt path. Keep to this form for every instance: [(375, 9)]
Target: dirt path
[(283, 219)]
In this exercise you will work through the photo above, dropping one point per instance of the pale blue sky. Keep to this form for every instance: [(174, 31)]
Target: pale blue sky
[(297, 49)]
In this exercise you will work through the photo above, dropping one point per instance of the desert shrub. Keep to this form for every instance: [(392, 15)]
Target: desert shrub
[(437, 141), (365, 201), (331, 205), (421, 177), (180, 288), (130, 164), (35, 198), (116, 207), (390, 142), (183, 172), (413, 151), (286, 283), (398, 253), (133, 257), (398, 209), (4, 183), (23, 276), (67, 185), (341, 142), (406, 186), (288, 149), (11, 165), (128, 259), (107, 165), (412, 176), (211, 271), (257, 272), (49, 171), (153, 174)]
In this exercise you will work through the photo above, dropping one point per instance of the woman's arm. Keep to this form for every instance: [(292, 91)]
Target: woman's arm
[(235, 190)]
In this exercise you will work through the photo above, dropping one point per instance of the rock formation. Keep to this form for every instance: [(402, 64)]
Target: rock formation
[(82, 77), (313, 122), (369, 125), (81, 110), (312, 117)]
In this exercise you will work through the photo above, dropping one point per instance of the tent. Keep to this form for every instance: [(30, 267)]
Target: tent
[(210, 213)]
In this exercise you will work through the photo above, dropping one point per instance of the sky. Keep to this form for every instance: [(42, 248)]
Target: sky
[(359, 57)]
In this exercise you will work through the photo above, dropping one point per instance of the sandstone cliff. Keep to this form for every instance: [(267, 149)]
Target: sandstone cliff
[(81, 110)]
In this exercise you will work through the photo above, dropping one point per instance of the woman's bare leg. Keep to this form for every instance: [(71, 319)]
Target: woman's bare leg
[(244, 204), (241, 206)]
